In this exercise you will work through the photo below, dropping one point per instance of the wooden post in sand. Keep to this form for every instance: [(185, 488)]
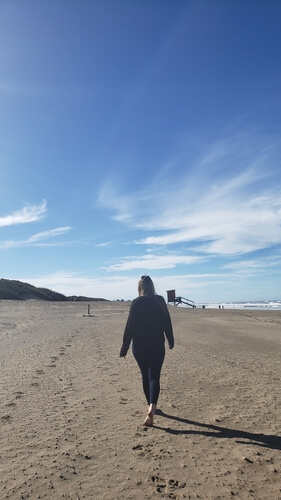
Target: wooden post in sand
[(89, 309)]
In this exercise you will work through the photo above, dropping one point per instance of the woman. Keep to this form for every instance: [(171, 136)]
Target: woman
[(148, 320)]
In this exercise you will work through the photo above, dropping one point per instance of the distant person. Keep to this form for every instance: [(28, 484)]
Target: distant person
[(147, 324)]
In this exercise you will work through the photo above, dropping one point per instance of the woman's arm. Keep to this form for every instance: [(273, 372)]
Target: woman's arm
[(169, 330), (128, 333)]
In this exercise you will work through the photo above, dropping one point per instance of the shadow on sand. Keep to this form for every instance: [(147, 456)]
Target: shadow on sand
[(242, 437)]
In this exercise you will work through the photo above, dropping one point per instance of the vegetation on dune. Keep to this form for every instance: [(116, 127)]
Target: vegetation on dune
[(17, 290)]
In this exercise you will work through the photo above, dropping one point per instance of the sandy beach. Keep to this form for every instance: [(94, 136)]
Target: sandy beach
[(72, 411)]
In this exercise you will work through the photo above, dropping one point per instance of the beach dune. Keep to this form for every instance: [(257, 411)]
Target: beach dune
[(72, 411)]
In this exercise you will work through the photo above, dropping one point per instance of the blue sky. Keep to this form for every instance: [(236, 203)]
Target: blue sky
[(141, 137)]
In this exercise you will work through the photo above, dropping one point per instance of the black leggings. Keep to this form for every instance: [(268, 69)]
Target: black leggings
[(150, 362)]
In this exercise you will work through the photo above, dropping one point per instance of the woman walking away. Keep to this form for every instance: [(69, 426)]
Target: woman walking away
[(148, 323)]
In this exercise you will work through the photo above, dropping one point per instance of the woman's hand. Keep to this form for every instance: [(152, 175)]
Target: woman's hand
[(123, 353)]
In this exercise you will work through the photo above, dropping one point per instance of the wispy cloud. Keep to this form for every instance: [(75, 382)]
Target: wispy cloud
[(108, 198), (255, 266), (104, 244), (204, 286), (36, 239), (51, 233), (125, 286), (68, 283), (219, 211), (226, 223), (152, 262), (27, 214)]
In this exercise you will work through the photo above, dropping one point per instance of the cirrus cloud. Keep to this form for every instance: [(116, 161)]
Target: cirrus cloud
[(31, 213)]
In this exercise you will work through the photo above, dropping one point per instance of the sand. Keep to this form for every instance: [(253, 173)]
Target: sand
[(72, 411)]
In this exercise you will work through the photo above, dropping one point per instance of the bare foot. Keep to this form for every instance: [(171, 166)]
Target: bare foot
[(149, 419)]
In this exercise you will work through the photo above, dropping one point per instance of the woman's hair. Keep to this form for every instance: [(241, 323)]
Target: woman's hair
[(146, 286)]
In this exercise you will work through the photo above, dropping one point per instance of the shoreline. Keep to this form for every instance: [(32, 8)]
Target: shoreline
[(270, 305)]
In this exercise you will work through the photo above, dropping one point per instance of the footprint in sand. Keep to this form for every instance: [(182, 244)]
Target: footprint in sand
[(18, 395), (167, 486), (10, 405), (6, 418), (123, 401), (34, 384), (138, 447), (53, 362)]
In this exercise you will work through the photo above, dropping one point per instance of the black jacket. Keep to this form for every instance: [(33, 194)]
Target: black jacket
[(147, 322)]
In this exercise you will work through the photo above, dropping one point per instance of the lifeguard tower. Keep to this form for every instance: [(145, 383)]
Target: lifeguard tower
[(171, 298)]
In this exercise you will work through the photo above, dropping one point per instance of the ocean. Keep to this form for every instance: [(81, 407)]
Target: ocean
[(271, 305)]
